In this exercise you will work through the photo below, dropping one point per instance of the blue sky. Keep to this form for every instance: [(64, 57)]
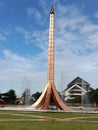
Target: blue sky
[(24, 27)]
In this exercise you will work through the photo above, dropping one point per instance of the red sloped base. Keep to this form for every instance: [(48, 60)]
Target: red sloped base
[(44, 100)]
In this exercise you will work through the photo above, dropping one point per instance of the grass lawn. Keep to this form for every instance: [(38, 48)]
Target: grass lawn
[(91, 119), (45, 125), (40, 125), (60, 115), (49, 114), (9, 116)]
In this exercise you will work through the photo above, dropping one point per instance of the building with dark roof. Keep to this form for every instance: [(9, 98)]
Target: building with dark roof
[(76, 87)]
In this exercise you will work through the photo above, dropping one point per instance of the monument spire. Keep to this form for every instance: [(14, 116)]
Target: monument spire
[(51, 47), (50, 90)]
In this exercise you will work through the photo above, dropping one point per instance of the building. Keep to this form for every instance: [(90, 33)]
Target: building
[(76, 87)]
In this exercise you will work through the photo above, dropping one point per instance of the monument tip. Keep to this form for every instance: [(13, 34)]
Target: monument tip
[(52, 10)]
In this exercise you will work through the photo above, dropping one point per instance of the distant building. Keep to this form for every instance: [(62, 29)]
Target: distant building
[(77, 87)]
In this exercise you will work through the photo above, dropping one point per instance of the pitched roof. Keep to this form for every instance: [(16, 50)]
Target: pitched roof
[(80, 82)]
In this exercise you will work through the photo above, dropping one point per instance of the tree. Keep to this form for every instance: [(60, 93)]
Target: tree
[(0, 96), (93, 96), (36, 95), (9, 97), (12, 96)]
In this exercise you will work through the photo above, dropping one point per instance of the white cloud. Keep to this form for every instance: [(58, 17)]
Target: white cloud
[(27, 35), (4, 33), (96, 14), (35, 14), (39, 38), (93, 39), (89, 27), (73, 65), (14, 68), (28, 63), (2, 37), (75, 30)]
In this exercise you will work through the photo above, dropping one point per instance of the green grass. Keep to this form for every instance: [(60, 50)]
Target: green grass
[(90, 119), (59, 115), (39, 125), (51, 114), (46, 125), (9, 116)]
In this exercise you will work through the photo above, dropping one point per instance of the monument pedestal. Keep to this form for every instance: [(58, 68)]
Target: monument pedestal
[(44, 100)]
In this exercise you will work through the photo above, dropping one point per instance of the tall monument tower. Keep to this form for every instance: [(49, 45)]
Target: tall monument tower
[(50, 90), (51, 48)]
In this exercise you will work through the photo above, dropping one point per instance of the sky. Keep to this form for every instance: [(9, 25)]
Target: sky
[(24, 32)]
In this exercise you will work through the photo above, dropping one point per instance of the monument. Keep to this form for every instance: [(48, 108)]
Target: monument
[(50, 89)]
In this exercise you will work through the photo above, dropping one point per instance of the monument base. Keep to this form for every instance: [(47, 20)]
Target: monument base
[(44, 100)]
